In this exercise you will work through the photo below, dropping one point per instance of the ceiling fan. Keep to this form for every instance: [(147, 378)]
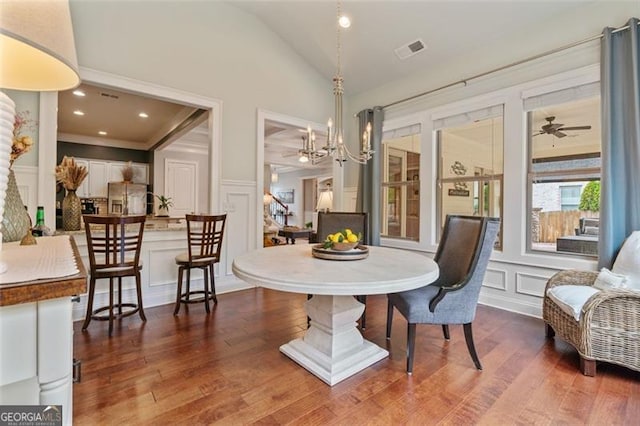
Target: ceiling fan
[(557, 129)]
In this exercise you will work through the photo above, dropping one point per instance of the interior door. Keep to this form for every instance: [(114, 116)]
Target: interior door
[(181, 185)]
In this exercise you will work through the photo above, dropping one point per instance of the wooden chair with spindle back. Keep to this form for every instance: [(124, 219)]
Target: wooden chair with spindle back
[(204, 234), (114, 244)]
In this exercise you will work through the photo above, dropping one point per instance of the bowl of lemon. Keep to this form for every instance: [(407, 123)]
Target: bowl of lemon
[(342, 240)]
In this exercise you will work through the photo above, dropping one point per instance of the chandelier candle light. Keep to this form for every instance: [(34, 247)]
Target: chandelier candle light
[(335, 146)]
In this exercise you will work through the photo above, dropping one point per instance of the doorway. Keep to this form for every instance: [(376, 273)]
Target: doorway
[(208, 121), (279, 171)]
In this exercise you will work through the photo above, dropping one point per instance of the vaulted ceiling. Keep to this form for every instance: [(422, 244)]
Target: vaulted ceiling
[(449, 30)]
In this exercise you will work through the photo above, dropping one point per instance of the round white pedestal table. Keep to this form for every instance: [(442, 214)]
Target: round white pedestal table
[(333, 348)]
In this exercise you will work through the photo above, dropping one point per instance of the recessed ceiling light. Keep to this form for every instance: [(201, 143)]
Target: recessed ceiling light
[(78, 112), (102, 133), (143, 115), (79, 93), (344, 21)]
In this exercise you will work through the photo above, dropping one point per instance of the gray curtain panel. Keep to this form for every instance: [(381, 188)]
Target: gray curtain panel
[(620, 193), (370, 185)]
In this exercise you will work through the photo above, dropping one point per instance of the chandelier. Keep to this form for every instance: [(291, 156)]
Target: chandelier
[(335, 147)]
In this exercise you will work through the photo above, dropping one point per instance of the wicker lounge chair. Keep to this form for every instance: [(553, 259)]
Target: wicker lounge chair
[(609, 326)]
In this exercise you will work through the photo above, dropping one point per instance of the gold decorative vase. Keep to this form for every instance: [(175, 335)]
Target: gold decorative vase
[(71, 211), (15, 222)]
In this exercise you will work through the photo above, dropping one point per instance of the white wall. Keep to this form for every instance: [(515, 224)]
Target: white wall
[(27, 104), (209, 48)]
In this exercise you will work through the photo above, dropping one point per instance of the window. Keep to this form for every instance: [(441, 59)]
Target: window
[(401, 183), (564, 169), (570, 197), (470, 166)]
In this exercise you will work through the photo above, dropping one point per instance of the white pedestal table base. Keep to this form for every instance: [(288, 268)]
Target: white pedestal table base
[(333, 348)]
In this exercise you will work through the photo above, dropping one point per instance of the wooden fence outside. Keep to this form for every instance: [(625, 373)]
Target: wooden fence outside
[(552, 225)]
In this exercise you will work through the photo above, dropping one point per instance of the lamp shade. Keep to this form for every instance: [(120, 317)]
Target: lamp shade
[(37, 50), (325, 201)]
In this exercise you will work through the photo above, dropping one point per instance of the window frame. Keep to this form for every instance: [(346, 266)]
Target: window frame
[(401, 185), (571, 175), (480, 179)]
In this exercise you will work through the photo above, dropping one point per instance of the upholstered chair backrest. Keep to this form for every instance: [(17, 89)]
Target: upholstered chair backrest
[(463, 256), (331, 222)]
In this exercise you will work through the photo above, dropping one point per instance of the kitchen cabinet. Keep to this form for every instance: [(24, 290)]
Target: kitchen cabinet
[(37, 354), (36, 335), (140, 172), (102, 172), (98, 179)]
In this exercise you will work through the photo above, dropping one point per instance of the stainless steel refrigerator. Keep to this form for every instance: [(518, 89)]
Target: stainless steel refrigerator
[(127, 198)]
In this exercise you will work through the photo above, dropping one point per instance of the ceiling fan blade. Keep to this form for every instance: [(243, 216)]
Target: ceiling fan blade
[(575, 128), (538, 134), (559, 134)]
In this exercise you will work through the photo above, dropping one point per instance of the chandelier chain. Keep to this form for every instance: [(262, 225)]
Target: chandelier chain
[(335, 146), (338, 40)]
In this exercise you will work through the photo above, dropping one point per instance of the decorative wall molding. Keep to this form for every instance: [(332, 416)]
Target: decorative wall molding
[(496, 279), (530, 284), (512, 304), (231, 182)]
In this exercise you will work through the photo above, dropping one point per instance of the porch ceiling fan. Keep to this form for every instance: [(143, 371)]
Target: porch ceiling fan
[(557, 129)]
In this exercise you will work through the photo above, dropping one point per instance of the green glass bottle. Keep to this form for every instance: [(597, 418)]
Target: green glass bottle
[(38, 230)]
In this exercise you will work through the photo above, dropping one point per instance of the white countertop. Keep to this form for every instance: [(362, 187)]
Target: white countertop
[(293, 268)]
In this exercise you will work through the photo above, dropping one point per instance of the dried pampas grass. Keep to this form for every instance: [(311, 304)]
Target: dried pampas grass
[(127, 172), (69, 174)]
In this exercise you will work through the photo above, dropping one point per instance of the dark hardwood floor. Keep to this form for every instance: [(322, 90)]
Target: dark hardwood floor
[(225, 367)]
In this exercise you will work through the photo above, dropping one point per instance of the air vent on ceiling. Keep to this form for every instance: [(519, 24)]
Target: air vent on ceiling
[(410, 49), (109, 95)]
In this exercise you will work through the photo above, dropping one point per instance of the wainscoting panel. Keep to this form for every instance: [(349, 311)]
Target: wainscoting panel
[(162, 266), (530, 284), (239, 201), (515, 287), (495, 278)]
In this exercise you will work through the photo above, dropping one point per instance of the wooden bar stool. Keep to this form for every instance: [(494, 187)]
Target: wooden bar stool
[(114, 244), (204, 233)]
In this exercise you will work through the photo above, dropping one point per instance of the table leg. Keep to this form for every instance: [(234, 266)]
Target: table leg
[(333, 348)]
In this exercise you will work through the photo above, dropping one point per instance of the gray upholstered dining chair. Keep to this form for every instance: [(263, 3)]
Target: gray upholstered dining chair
[(462, 257), (330, 222)]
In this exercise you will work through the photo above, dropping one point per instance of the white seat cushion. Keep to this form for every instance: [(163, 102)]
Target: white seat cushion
[(571, 298), (184, 258), (628, 261)]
